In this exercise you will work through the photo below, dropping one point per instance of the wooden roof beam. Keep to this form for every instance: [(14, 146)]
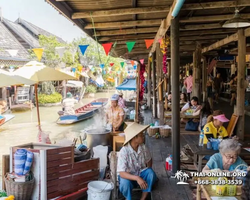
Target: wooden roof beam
[(201, 26), (155, 22), (157, 9), (208, 32), (205, 37), (127, 31), (128, 37)]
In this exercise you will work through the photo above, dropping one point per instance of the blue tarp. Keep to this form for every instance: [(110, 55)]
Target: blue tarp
[(128, 84)]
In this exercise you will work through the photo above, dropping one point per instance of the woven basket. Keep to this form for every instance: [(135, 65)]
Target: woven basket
[(152, 131), (21, 191), (165, 132)]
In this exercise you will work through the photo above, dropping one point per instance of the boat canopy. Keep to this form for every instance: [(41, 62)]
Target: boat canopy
[(76, 84), (128, 84)]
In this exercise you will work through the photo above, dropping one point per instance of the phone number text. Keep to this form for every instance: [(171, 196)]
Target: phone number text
[(218, 182)]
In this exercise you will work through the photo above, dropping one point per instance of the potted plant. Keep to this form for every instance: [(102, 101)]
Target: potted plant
[(90, 91)]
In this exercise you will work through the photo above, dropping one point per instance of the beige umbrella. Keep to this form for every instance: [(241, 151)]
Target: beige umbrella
[(38, 72), (6, 79)]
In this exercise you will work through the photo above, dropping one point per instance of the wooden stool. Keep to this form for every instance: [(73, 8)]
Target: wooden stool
[(118, 140)]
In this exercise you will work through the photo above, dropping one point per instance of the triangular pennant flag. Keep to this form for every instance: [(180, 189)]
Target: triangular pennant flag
[(149, 43), (132, 62), (135, 66), (107, 47), (60, 51), (130, 46), (74, 70), (83, 48), (142, 61), (12, 52), (39, 53), (111, 64), (122, 63), (102, 65)]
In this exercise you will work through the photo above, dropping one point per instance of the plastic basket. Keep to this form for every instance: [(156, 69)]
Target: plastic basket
[(152, 131), (20, 190)]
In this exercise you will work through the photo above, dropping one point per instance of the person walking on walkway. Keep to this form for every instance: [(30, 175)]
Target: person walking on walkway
[(217, 86), (210, 95), (233, 88), (135, 163), (189, 84)]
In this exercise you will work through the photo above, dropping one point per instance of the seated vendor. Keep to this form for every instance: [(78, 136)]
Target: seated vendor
[(135, 163), (228, 157), (192, 106), (68, 104), (115, 114), (183, 99), (214, 127)]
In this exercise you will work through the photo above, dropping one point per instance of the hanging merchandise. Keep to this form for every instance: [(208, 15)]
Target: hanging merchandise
[(149, 43), (39, 53), (150, 59), (83, 48), (142, 80), (130, 46), (164, 47), (107, 47)]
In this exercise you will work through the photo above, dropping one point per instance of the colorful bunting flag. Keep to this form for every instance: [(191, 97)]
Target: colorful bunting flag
[(102, 65), (122, 64), (12, 52), (111, 64), (149, 43), (142, 61), (39, 53), (60, 51), (132, 62), (130, 46), (74, 70), (107, 47), (135, 66), (83, 48)]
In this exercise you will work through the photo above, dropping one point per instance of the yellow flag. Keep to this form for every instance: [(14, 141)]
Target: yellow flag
[(39, 53)]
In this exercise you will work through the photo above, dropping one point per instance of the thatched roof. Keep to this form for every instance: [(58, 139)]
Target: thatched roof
[(8, 41), (137, 20)]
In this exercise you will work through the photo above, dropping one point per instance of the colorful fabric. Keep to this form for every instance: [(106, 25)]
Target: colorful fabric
[(28, 163), (189, 83), (131, 161), (20, 158), (121, 102), (126, 186), (215, 162), (211, 131), (114, 115)]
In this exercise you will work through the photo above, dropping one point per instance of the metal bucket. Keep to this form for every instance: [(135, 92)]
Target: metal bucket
[(97, 137)]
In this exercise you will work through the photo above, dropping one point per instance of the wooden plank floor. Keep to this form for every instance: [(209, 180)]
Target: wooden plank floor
[(167, 188)]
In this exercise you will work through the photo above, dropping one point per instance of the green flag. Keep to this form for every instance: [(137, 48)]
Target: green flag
[(122, 64), (130, 46)]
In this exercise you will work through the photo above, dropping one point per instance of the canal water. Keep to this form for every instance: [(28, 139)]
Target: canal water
[(23, 128)]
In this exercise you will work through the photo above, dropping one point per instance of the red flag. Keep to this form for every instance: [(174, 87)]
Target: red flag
[(149, 43), (107, 47), (111, 64), (142, 61), (132, 62)]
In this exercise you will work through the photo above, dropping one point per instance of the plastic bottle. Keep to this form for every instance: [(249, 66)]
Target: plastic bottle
[(156, 123), (167, 160), (201, 138), (170, 163), (209, 145)]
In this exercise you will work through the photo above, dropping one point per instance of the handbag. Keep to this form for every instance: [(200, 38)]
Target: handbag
[(191, 125)]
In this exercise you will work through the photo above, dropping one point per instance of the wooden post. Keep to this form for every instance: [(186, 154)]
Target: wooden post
[(64, 89), (169, 77), (138, 83), (5, 168), (240, 102), (159, 58), (154, 86), (149, 86), (113, 170), (204, 78), (196, 71), (175, 69), (4, 94)]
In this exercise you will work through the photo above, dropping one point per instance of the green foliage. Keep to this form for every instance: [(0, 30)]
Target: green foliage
[(91, 89), (53, 98)]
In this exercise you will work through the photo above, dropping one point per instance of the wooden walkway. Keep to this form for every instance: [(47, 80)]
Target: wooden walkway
[(167, 188)]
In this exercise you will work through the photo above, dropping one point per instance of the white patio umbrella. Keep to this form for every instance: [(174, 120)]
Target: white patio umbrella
[(38, 72)]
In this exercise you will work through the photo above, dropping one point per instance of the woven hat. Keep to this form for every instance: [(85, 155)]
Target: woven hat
[(133, 130), (120, 93)]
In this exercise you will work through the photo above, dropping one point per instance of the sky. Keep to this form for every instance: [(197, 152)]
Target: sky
[(42, 15)]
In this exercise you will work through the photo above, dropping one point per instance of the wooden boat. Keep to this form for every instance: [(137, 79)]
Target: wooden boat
[(5, 118), (84, 112)]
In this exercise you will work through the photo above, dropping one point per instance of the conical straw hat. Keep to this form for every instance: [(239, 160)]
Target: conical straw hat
[(133, 130)]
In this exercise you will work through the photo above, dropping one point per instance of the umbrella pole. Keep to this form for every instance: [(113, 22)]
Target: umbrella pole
[(37, 107)]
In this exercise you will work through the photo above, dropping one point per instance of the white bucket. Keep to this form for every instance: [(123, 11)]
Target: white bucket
[(99, 190)]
